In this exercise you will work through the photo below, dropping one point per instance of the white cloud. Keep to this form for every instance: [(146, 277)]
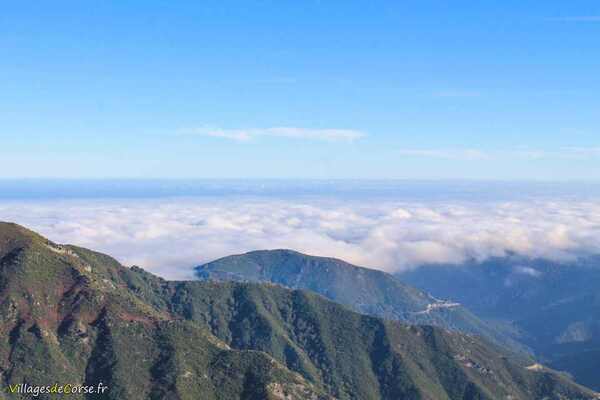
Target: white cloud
[(527, 271), (457, 93), (170, 236), (450, 154), (243, 135), (237, 135)]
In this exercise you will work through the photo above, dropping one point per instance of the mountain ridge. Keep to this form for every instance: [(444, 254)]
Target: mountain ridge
[(72, 315), (362, 289)]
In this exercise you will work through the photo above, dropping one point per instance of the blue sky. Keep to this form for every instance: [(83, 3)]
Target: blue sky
[(300, 89)]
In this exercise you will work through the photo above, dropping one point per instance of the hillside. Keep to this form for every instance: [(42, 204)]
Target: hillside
[(68, 318), (554, 306), (364, 290), (70, 315)]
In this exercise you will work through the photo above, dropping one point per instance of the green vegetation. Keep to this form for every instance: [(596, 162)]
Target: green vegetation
[(70, 315), (554, 308), (364, 290)]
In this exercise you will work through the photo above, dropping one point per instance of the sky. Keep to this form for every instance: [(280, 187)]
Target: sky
[(422, 89)]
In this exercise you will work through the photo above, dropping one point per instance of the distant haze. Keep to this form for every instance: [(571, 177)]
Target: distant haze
[(171, 226)]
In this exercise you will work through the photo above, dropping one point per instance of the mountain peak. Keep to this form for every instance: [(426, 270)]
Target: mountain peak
[(292, 253), (285, 258), (362, 289)]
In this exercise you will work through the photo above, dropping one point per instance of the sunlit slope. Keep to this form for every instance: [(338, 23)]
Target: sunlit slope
[(68, 318)]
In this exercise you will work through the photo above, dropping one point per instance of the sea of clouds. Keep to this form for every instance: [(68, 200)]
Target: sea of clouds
[(169, 236)]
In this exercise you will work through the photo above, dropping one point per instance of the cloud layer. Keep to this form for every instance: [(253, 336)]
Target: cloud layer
[(169, 237)]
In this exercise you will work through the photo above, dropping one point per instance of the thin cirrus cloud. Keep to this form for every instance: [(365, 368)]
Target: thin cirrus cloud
[(470, 154), (584, 152), (577, 18), (170, 236), (245, 135), (565, 153)]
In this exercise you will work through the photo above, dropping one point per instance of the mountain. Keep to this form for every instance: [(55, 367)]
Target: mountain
[(555, 307), (364, 290), (71, 315)]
